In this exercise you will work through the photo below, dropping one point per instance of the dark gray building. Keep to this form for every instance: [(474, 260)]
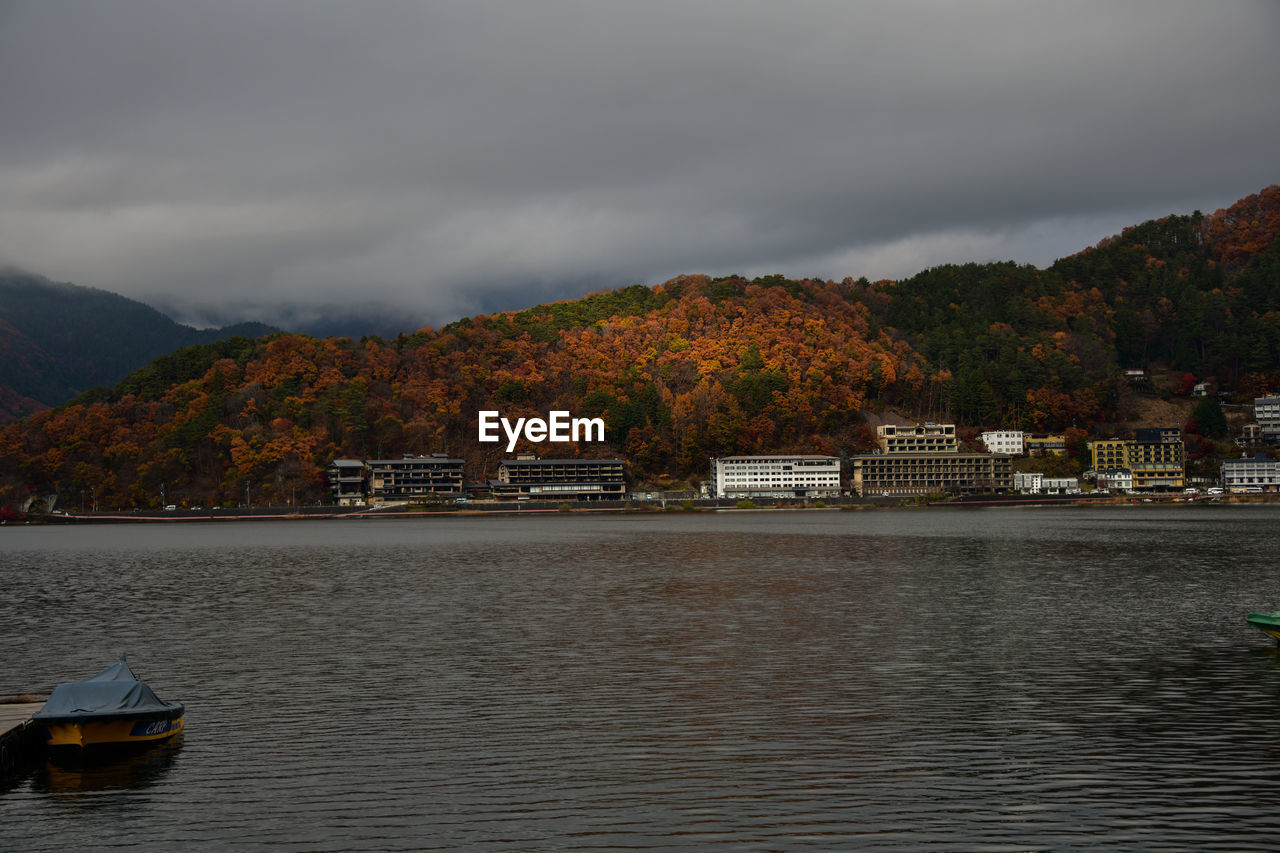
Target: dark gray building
[(531, 478)]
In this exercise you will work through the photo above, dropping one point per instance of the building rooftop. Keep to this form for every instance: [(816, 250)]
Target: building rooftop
[(512, 462), (779, 456), (928, 454)]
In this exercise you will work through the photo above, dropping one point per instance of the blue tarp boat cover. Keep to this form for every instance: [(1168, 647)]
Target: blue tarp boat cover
[(114, 692)]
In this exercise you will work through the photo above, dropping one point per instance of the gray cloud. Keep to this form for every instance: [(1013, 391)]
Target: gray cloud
[(297, 160)]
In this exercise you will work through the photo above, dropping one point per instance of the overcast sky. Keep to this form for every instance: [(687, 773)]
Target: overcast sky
[(288, 160)]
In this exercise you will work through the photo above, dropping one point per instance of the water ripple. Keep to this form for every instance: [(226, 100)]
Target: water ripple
[(831, 681)]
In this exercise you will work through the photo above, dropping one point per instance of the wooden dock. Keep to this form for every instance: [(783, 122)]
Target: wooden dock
[(19, 738)]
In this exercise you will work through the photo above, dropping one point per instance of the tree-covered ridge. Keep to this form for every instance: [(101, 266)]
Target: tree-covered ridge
[(58, 340), (693, 368), (1197, 292), (688, 369), (1042, 348), (1008, 344)]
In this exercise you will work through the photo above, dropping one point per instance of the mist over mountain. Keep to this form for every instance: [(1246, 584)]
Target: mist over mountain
[(58, 340)]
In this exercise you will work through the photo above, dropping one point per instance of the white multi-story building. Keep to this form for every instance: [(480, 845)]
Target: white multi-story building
[(1258, 474), (1027, 482), (1059, 486), (1003, 441), (775, 476)]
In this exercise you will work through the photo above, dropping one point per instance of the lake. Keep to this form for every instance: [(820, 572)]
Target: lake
[(912, 679)]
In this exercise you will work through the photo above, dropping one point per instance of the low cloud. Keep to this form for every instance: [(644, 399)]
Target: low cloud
[(297, 161)]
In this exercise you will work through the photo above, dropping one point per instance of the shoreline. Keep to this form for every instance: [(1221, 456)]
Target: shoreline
[(508, 508)]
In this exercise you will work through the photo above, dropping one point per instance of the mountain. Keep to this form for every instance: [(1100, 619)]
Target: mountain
[(693, 368), (58, 340)]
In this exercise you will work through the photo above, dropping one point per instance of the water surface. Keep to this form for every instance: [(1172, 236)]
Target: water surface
[(1009, 679)]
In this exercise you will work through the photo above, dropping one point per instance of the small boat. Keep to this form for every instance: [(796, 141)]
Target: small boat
[(112, 708), (1268, 623)]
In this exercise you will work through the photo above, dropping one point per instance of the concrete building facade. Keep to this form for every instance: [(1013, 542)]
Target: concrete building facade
[(1059, 486), (925, 459), (1116, 480), (1155, 457), (1045, 445), (1256, 474), (409, 479), (1003, 441), (529, 478), (801, 476), (1027, 482), (926, 438)]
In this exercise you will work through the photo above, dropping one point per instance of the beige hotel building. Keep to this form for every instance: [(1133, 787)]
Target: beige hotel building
[(926, 459)]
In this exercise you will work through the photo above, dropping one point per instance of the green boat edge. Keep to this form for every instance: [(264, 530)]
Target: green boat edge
[(1268, 623)]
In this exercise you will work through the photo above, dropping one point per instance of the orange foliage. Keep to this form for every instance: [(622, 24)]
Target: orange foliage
[(1246, 228), (709, 368)]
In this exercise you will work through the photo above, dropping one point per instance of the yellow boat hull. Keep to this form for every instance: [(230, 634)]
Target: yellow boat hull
[(117, 732)]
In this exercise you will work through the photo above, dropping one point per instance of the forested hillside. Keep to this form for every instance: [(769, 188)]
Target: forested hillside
[(692, 368), (58, 340)]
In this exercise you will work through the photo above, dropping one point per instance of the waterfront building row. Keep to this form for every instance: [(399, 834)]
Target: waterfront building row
[(415, 479), (909, 461)]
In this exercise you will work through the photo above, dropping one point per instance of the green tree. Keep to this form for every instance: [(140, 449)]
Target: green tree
[(1208, 419)]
